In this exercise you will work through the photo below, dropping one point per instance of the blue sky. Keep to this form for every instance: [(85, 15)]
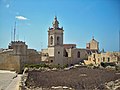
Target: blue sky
[(81, 19)]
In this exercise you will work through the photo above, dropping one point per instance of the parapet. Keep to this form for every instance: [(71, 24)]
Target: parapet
[(56, 28), (67, 46), (17, 42)]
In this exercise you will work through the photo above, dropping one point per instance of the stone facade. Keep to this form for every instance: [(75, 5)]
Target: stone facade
[(58, 53), (93, 45), (9, 61), (109, 57), (17, 55)]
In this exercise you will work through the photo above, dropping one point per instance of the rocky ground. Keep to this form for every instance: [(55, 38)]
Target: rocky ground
[(76, 78)]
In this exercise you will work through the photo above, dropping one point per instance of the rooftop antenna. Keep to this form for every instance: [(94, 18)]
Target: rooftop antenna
[(93, 37), (119, 40), (15, 31)]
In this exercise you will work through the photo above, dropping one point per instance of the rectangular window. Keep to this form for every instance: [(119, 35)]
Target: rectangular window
[(108, 59)]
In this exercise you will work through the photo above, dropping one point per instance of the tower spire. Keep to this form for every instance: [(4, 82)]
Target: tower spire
[(55, 17), (55, 23)]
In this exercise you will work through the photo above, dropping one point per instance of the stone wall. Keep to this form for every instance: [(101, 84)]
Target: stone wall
[(16, 62), (33, 57), (10, 62)]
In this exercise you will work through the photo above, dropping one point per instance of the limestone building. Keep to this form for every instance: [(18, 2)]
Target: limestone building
[(93, 45), (109, 57), (59, 53), (97, 57)]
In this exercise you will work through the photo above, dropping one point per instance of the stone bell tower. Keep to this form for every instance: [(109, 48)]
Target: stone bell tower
[(55, 43), (55, 34)]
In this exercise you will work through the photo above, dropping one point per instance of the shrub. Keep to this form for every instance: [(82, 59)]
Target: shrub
[(26, 65), (103, 64), (90, 64), (36, 65), (54, 66), (107, 64), (117, 67), (65, 66), (57, 66)]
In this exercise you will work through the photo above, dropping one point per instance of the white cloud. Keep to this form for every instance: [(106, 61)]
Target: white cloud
[(7, 6), (21, 18)]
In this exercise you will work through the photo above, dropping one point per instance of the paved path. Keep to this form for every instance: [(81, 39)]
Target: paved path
[(9, 81), (14, 85), (6, 78)]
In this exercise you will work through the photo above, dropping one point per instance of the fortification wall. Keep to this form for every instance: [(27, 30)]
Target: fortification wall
[(33, 57), (10, 62)]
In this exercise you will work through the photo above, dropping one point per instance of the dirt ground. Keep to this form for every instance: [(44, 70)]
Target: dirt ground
[(78, 78)]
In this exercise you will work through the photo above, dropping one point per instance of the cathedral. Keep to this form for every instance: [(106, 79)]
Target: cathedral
[(59, 53)]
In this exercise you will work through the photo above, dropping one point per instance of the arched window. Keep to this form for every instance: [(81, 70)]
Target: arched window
[(65, 53), (108, 59), (51, 39), (103, 59), (93, 55), (78, 54), (58, 40)]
